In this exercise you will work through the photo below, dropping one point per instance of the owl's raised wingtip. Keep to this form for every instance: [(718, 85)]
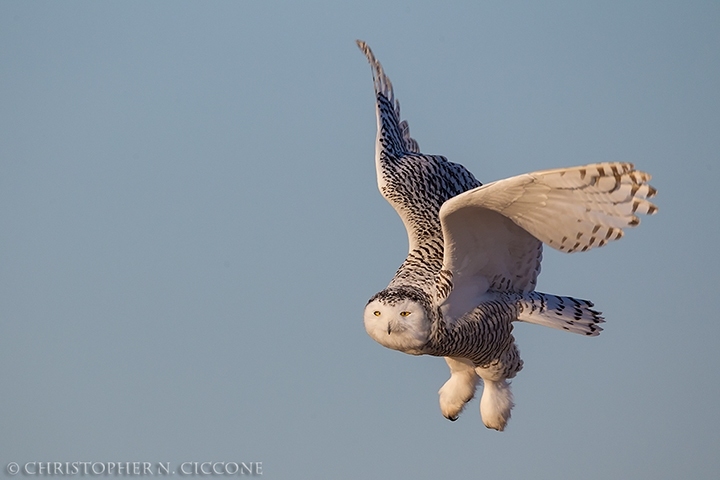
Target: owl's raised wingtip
[(369, 54)]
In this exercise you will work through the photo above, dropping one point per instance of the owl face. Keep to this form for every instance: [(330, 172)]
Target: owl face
[(401, 324)]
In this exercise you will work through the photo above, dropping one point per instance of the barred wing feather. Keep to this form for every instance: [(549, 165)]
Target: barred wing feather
[(570, 209), (492, 233)]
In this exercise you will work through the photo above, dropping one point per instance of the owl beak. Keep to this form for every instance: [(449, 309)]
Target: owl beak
[(389, 328)]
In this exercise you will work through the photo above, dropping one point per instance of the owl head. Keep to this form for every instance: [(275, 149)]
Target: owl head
[(398, 318)]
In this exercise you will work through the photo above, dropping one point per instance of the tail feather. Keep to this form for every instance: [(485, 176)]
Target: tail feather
[(564, 313)]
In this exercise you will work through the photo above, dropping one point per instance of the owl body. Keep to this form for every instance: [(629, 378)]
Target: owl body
[(475, 253)]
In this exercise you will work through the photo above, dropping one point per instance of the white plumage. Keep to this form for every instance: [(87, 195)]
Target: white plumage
[(475, 253)]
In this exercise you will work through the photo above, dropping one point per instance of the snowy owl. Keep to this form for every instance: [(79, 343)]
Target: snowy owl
[(475, 253)]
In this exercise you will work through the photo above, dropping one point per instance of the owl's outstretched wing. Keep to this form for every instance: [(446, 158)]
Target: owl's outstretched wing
[(393, 133), (491, 232), (415, 184)]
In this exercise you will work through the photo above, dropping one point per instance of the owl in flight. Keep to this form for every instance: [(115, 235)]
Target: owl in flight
[(475, 253)]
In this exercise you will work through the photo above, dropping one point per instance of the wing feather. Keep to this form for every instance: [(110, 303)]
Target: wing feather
[(393, 133), (492, 233), (416, 185), (570, 209)]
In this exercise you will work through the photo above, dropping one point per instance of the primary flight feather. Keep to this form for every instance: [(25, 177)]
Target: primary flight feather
[(475, 253)]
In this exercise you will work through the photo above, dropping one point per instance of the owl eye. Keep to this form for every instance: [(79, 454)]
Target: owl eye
[(404, 314), (376, 313)]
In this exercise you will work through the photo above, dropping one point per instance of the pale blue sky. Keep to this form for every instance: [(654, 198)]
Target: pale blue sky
[(191, 229)]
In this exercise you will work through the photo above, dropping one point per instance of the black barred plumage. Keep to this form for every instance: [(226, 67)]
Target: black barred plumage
[(482, 335), (417, 186), (420, 266), (443, 285), (392, 296), (475, 252)]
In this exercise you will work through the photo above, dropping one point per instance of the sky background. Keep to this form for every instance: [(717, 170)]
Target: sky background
[(190, 229)]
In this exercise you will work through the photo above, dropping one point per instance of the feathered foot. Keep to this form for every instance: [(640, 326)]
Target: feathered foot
[(496, 404), (459, 389)]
